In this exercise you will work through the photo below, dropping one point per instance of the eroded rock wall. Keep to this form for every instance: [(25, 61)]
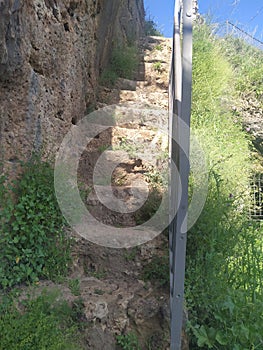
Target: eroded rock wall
[(51, 53)]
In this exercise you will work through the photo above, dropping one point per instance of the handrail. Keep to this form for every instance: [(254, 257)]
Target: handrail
[(180, 88)]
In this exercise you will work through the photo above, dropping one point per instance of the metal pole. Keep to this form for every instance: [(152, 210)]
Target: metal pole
[(181, 110)]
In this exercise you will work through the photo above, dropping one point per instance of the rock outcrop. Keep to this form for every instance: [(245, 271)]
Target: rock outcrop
[(51, 54)]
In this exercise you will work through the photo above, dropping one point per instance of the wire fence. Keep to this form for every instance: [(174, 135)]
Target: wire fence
[(256, 210), (228, 28)]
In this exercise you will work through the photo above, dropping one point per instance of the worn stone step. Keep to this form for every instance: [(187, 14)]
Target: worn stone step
[(158, 98), (106, 164), (114, 237), (122, 199), (140, 141), (126, 84), (142, 84), (140, 113), (145, 94)]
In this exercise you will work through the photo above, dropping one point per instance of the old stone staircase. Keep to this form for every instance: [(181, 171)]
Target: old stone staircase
[(127, 159), (120, 170), (133, 150)]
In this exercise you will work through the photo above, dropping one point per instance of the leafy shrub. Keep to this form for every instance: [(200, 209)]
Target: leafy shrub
[(123, 64), (128, 341), (108, 77), (151, 28), (124, 61), (33, 243), (240, 320), (45, 323), (157, 271)]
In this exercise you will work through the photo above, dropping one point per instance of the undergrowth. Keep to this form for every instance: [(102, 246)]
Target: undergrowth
[(247, 62), (45, 322), (33, 241), (157, 271), (128, 341), (123, 64), (224, 272)]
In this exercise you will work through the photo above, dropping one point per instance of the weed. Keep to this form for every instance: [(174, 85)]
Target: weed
[(33, 242), (158, 67), (159, 47), (157, 271), (224, 251), (128, 341), (131, 254), (155, 178), (108, 77), (164, 155), (158, 341), (127, 146), (45, 323), (247, 62), (124, 61), (232, 312), (123, 64), (103, 148), (74, 286), (78, 316), (151, 28), (150, 207), (103, 180)]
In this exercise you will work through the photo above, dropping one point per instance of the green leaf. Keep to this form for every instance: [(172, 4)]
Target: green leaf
[(203, 338), (16, 239), (221, 338)]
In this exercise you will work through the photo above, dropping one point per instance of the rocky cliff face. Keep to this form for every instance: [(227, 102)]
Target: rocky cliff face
[(51, 53)]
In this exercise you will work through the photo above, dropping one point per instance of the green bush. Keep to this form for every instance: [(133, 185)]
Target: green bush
[(128, 341), (157, 271), (236, 323), (151, 28), (124, 61), (108, 77), (42, 323), (123, 64), (33, 242)]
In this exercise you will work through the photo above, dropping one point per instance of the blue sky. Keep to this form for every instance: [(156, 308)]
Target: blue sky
[(247, 14)]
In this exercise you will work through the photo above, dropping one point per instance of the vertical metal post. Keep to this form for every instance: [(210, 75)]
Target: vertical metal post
[(180, 111)]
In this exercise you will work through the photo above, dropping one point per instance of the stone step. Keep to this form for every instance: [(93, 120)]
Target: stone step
[(121, 199), (126, 84), (114, 237), (139, 113), (157, 99), (142, 84), (160, 94), (106, 164), (134, 159), (140, 141)]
